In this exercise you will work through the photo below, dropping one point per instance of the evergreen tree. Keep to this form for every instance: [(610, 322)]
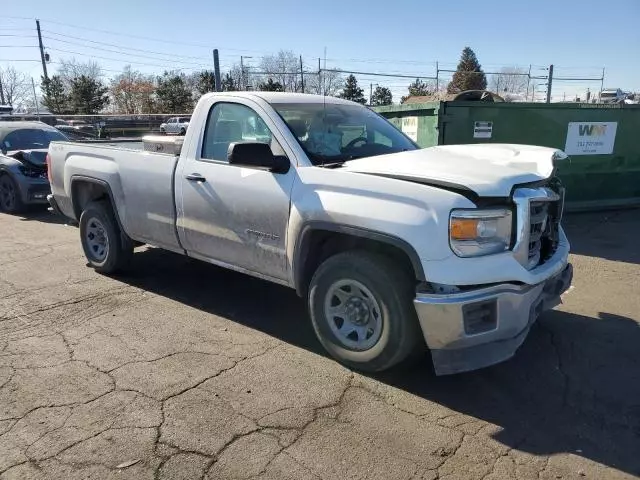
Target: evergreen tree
[(352, 91), (88, 96), (228, 84), (173, 93), (271, 86), (468, 75), (206, 82), (55, 97), (381, 96), (418, 89)]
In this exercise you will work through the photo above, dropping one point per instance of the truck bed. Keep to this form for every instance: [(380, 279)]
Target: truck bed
[(140, 178)]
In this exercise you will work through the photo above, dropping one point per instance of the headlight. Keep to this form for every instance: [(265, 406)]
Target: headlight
[(473, 233)]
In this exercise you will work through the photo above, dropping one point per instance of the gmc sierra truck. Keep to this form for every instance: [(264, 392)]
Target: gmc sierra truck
[(394, 247)]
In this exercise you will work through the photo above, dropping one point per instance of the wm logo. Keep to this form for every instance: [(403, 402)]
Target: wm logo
[(592, 130)]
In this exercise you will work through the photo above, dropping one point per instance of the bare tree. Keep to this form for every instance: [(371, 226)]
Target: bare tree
[(70, 70), (282, 68), (16, 86), (326, 83), (132, 92), (511, 81)]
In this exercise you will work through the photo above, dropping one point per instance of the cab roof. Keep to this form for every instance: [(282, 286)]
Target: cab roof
[(286, 97)]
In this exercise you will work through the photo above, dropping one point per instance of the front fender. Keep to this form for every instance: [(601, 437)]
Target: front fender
[(409, 216)]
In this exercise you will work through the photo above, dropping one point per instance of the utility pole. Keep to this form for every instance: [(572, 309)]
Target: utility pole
[(319, 77), (42, 56), (437, 79), (35, 98), (528, 83), (216, 70), (301, 75), (242, 73), (549, 83)]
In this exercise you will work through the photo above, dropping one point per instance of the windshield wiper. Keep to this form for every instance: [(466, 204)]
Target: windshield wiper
[(332, 164)]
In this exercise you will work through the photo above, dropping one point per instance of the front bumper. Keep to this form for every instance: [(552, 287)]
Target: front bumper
[(476, 328), (54, 205), (37, 194)]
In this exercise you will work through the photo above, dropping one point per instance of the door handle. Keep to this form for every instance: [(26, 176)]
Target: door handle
[(196, 177)]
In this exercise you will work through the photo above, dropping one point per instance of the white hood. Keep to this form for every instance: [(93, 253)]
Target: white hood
[(489, 170)]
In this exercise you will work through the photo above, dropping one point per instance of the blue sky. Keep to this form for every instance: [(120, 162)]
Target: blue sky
[(408, 37)]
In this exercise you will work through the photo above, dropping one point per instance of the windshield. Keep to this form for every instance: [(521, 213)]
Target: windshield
[(609, 94), (31, 139), (333, 133)]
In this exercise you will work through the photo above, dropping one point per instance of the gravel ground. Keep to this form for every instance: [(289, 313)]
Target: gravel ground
[(181, 370)]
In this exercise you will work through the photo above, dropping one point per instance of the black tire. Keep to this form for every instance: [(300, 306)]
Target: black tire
[(393, 291), (162, 132), (10, 200), (183, 132), (119, 248)]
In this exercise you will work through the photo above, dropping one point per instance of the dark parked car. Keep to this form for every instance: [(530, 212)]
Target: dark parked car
[(23, 169)]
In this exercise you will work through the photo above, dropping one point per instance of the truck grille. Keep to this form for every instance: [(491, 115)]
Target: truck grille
[(544, 225)]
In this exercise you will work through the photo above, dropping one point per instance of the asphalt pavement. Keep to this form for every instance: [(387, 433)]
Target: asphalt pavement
[(182, 370)]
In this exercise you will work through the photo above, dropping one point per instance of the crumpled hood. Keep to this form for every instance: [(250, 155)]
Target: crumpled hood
[(34, 158), (488, 170)]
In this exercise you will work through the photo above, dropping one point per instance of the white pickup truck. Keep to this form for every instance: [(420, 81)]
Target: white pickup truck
[(458, 248), (177, 125)]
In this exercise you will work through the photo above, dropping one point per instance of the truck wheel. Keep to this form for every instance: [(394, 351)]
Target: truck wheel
[(183, 132), (362, 311), (106, 249), (10, 200)]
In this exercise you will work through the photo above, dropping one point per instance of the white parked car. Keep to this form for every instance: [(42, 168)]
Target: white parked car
[(612, 95), (394, 247), (175, 125)]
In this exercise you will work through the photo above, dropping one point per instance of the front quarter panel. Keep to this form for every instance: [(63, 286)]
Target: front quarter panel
[(415, 214)]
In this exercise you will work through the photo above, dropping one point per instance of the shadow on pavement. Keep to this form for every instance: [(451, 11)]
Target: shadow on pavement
[(574, 386), (612, 235), (42, 214)]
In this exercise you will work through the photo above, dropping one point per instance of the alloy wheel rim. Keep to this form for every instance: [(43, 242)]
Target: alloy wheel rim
[(7, 193)]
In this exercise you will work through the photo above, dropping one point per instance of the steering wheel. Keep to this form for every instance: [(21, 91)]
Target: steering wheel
[(353, 142)]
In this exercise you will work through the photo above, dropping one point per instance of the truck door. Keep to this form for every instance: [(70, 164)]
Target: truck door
[(229, 214)]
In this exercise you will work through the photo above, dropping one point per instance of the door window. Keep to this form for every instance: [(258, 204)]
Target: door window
[(232, 122)]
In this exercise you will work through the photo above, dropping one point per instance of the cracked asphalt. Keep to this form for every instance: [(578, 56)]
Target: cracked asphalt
[(181, 370)]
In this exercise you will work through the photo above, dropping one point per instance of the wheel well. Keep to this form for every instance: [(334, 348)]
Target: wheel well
[(318, 245), (84, 192)]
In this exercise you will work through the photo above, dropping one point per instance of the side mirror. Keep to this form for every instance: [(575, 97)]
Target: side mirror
[(257, 155)]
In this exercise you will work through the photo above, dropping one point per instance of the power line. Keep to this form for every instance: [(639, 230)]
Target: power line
[(114, 45), (90, 55), (161, 40), (127, 54)]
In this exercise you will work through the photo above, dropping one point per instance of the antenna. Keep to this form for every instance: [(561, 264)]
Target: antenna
[(324, 95)]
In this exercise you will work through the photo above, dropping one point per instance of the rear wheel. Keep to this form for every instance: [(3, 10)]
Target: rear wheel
[(106, 248), (362, 311), (183, 131), (10, 201)]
